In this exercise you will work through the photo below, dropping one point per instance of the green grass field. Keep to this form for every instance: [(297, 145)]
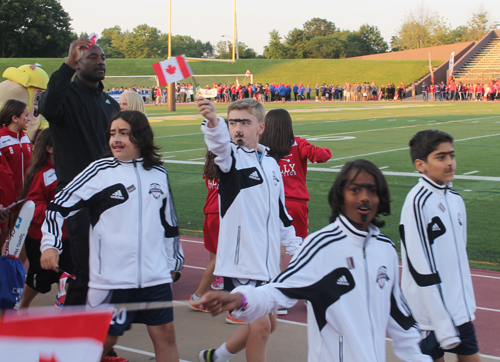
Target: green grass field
[(312, 71), (378, 132)]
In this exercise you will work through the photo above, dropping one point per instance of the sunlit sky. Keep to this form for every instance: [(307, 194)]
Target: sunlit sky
[(209, 20)]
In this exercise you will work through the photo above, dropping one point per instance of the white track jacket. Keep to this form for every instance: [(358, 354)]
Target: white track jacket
[(253, 218), (436, 277), (350, 280), (134, 238)]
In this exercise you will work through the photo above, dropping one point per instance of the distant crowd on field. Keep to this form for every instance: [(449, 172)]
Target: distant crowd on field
[(461, 92), (298, 92)]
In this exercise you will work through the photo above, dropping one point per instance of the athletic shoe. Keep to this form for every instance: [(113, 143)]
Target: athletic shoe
[(195, 306), (231, 320), (207, 355), (282, 311), (218, 283), (113, 357)]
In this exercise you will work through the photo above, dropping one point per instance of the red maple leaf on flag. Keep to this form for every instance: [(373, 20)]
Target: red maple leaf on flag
[(170, 69), (52, 359)]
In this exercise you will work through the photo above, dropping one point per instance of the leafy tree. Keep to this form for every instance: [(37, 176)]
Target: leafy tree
[(324, 47), (478, 25), (143, 42), (275, 49), (34, 28), (295, 41), (224, 50), (111, 42), (319, 27), (372, 41), (421, 29)]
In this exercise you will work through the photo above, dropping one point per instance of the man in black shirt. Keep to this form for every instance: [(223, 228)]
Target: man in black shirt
[(78, 113)]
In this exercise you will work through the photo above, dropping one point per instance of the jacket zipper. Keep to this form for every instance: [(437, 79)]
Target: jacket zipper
[(237, 253), (268, 211), (368, 291), (139, 218), (341, 348), (458, 253), (100, 247)]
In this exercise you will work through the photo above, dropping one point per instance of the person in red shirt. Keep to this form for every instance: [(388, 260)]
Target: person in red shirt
[(15, 147), (292, 154), (40, 187), (210, 231), (15, 144)]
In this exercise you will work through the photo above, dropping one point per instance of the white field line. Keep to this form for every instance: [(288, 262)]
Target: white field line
[(181, 135), (470, 172), (193, 149), (405, 148)]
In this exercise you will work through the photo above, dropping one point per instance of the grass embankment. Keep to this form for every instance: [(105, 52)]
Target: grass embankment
[(307, 71)]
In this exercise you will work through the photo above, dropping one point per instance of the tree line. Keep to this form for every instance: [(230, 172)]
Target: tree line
[(42, 28)]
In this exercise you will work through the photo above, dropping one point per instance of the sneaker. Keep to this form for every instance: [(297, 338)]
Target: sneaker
[(218, 283), (113, 357), (207, 355), (282, 311), (195, 306), (231, 320)]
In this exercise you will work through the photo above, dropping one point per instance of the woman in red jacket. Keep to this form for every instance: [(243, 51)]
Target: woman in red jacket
[(15, 148), (40, 187), (15, 144), (292, 154)]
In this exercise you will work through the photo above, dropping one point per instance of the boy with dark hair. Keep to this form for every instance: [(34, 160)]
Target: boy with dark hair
[(436, 277), (348, 273), (253, 218)]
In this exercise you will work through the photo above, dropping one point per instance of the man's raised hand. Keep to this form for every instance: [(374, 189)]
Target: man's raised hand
[(76, 50)]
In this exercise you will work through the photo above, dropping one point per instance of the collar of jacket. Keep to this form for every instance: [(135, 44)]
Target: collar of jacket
[(357, 236), (17, 136), (439, 189), (260, 148), (97, 92), (129, 162)]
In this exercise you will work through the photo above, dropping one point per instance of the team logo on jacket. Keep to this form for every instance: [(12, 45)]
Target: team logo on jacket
[(382, 276), (275, 179), (155, 190)]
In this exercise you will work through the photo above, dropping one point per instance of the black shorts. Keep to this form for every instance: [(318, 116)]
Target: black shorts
[(122, 319), (231, 283), (40, 279), (467, 347)]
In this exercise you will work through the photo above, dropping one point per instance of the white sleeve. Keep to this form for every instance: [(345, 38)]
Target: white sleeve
[(66, 203), (424, 293), (173, 243), (402, 327), (218, 142)]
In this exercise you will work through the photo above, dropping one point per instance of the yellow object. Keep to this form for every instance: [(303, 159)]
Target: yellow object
[(26, 84)]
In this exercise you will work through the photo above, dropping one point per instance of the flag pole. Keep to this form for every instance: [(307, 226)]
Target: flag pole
[(171, 86), (234, 30)]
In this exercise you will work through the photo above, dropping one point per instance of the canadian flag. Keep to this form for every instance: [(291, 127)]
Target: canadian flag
[(45, 335), (172, 70), (248, 73)]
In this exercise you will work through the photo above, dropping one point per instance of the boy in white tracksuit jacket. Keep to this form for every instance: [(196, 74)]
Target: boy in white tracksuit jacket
[(348, 273), (436, 278), (253, 218)]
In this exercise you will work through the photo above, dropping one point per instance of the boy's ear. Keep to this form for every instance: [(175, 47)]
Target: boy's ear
[(262, 126), (420, 165)]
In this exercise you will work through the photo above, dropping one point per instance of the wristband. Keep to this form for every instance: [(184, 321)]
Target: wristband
[(244, 302)]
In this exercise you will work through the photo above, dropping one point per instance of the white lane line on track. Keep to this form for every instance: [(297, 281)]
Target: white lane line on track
[(489, 309), (138, 351)]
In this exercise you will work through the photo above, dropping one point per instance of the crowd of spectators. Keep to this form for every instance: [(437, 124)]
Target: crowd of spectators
[(299, 92)]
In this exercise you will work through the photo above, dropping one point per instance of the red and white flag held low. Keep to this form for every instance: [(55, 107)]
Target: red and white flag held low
[(72, 335), (172, 70)]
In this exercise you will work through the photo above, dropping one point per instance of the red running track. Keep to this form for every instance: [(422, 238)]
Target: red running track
[(486, 288)]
